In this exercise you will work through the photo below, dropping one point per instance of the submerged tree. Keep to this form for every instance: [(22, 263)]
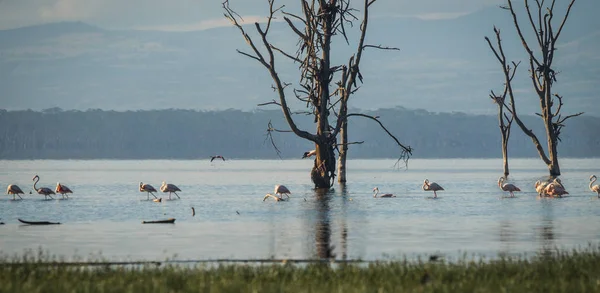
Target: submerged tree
[(324, 87), (542, 76), (505, 119)]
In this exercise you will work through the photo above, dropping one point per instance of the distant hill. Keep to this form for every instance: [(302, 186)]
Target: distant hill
[(186, 134), (443, 66)]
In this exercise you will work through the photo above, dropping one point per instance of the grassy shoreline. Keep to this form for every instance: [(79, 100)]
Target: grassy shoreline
[(564, 271)]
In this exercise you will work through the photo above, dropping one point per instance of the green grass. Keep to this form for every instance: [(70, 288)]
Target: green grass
[(573, 271)]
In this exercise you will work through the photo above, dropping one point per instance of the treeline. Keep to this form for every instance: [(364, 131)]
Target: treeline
[(188, 134)]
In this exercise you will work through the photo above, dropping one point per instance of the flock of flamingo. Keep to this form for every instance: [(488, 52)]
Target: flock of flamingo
[(63, 190), (553, 188)]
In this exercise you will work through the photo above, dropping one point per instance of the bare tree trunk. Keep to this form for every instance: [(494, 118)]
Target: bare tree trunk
[(505, 154), (343, 152), (541, 74)]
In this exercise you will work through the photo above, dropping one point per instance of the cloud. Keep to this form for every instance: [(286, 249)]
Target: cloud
[(441, 15), (202, 25), (193, 14)]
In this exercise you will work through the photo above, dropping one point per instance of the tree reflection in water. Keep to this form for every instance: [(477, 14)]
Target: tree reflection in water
[(325, 249)]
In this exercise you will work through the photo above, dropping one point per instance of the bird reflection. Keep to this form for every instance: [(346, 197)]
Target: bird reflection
[(546, 230), (507, 236)]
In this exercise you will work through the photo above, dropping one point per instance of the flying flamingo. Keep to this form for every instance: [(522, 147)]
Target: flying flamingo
[(14, 190), (170, 188), (42, 190), (555, 188), (507, 186), (62, 189), (281, 190), (376, 191), (212, 158), (276, 198), (432, 186), (309, 154), (148, 188), (595, 188)]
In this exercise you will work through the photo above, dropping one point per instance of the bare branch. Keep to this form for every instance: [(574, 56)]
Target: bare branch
[(295, 59), (562, 24), (406, 149), (380, 47)]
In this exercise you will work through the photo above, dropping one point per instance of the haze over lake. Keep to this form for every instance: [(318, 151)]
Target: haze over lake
[(105, 212)]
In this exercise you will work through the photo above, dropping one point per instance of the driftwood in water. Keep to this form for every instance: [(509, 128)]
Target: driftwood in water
[(38, 222), (167, 221)]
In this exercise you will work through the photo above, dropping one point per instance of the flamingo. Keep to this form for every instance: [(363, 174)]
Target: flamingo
[(170, 188), (432, 186), (540, 187), (14, 190), (376, 191), (507, 186), (212, 158), (309, 154), (42, 190), (62, 189), (149, 189), (595, 188), (281, 190), (276, 198), (555, 188)]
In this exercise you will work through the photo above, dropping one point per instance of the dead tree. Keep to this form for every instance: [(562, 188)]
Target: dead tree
[(323, 86), (505, 119), (542, 75)]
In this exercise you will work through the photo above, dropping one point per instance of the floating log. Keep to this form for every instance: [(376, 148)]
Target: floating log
[(38, 222), (167, 221)]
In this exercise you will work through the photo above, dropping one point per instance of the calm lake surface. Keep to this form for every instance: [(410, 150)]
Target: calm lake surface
[(103, 217)]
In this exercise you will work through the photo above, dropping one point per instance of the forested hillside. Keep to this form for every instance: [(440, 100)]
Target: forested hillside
[(186, 134)]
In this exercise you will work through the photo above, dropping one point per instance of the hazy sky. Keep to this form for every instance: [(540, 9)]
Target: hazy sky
[(193, 14)]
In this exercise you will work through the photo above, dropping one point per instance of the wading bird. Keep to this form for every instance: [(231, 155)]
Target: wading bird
[(309, 154), (276, 198), (594, 188), (149, 189), (281, 190), (507, 186), (540, 187), (14, 190), (376, 192), (212, 158), (170, 188), (555, 188), (62, 190), (42, 190), (432, 187)]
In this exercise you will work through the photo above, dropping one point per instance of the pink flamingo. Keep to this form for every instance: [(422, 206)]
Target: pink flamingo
[(170, 188), (432, 186), (212, 158), (14, 190), (281, 190), (507, 186), (555, 188), (595, 188), (149, 189), (42, 190), (376, 191), (62, 189), (276, 198)]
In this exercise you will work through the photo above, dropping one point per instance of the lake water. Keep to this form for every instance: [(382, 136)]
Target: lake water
[(103, 217)]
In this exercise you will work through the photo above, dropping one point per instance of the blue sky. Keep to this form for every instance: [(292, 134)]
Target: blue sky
[(444, 64)]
